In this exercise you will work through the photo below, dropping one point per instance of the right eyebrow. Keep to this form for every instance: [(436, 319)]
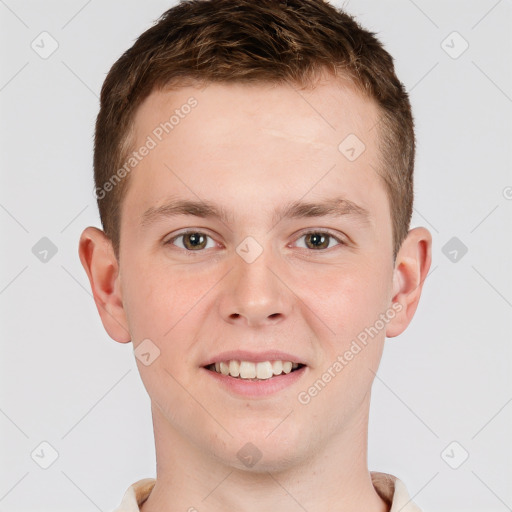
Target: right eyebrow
[(203, 209)]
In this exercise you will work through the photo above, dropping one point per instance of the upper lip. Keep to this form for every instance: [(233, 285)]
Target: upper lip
[(255, 357)]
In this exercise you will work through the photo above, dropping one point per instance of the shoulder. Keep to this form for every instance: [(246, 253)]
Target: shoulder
[(394, 492), (135, 495)]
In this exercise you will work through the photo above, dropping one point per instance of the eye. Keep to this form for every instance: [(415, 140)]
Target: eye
[(195, 241), (192, 240), (319, 240)]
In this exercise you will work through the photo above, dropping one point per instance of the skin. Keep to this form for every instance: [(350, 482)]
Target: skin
[(252, 148)]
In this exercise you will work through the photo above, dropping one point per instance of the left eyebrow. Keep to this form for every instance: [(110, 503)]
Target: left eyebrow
[(333, 207)]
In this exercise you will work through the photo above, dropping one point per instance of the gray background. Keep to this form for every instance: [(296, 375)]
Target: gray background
[(445, 379)]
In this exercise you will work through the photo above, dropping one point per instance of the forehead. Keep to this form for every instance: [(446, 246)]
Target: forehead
[(254, 145), (318, 116)]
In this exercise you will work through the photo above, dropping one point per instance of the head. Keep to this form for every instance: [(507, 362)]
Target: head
[(264, 114)]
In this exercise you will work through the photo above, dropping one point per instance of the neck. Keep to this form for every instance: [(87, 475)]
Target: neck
[(334, 477)]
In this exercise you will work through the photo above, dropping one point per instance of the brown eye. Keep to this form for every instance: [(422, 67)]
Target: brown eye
[(192, 240), (318, 240)]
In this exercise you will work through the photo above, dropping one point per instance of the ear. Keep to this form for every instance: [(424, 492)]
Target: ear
[(411, 268), (99, 261)]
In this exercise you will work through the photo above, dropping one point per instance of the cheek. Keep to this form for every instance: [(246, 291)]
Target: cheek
[(350, 302), (163, 303), (346, 298), (151, 298)]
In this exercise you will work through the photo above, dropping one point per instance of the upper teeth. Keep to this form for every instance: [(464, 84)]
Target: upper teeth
[(250, 370)]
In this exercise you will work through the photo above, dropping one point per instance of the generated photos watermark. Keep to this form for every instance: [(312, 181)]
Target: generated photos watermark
[(357, 345), (144, 150)]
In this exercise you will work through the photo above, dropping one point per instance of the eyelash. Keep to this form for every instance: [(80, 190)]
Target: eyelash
[(316, 232)]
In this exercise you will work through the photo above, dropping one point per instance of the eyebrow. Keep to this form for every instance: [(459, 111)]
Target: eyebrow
[(333, 207)]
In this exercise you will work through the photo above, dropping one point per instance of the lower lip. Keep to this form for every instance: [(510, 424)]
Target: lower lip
[(257, 388)]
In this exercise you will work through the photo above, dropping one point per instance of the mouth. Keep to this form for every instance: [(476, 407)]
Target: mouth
[(254, 371)]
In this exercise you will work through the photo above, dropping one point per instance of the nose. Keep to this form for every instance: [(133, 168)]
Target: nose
[(254, 293)]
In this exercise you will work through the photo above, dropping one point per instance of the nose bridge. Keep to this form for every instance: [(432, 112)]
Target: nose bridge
[(254, 291)]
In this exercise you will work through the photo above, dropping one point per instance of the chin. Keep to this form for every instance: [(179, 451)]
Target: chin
[(259, 448)]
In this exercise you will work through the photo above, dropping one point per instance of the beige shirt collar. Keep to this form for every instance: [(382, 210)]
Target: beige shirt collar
[(391, 489)]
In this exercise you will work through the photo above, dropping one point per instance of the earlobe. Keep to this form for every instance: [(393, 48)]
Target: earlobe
[(411, 268), (99, 261)]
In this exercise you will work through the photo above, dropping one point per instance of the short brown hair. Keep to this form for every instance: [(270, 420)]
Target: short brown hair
[(226, 41)]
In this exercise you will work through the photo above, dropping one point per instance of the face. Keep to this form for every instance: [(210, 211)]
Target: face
[(265, 275)]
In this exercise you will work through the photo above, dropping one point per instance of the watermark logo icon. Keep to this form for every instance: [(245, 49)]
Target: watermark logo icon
[(249, 249), (146, 352), (507, 193), (44, 45), (44, 250), (351, 147), (454, 45), (249, 455), (454, 249), (44, 455), (455, 455)]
